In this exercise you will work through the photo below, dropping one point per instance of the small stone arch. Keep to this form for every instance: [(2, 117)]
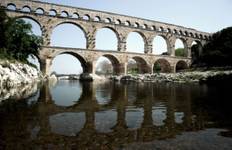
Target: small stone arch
[(11, 6), (107, 20), (86, 17), (145, 26), (118, 21), (127, 23), (64, 14), (142, 64), (85, 66), (181, 65), (52, 12), (26, 9), (115, 63), (162, 65), (39, 11), (153, 28), (75, 15), (97, 18), (161, 29), (136, 25)]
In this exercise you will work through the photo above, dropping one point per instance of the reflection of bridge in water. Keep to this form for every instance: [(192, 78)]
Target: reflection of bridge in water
[(150, 115), (49, 16)]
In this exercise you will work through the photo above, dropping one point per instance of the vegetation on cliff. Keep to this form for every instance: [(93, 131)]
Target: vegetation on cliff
[(17, 41), (217, 52)]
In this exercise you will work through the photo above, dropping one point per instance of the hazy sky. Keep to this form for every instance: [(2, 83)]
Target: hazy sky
[(203, 15)]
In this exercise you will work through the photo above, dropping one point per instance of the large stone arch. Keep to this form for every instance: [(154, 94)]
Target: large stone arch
[(87, 68), (30, 17), (111, 29), (162, 65), (168, 43), (117, 68), (142, 64), (196, 49), (70, 22), (184, 41), (81, 27), (141, 35), (181, 65)]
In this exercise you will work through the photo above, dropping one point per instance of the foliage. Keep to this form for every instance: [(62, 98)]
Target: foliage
[(104, 68), (218, 51), (16, 39), (157, 67), (180, 52)]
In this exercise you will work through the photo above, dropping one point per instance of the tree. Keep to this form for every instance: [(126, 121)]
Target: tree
[(180, 52), (104, 67), (218, 51), (16, 38)]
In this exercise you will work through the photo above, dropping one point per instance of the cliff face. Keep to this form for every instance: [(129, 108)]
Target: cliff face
[(17, 74)]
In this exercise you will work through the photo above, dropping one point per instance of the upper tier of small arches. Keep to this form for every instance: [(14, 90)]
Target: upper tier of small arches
[(111, 19)]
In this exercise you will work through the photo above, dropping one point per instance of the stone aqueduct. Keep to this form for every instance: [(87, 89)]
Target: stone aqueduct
[(48, 16)]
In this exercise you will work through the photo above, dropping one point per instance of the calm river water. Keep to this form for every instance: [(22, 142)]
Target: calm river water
[(111, 115)]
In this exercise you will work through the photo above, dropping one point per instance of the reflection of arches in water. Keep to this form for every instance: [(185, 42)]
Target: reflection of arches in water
[(179, 116), (68, 123), (159, 114), (103, 93), (134, 117), (105, 120), (66, 93), (131, 92)]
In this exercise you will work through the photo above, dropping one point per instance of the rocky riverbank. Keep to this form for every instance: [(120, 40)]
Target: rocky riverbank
[(14, 74), (182, 77)]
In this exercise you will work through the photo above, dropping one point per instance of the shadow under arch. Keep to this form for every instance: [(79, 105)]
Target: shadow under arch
[(162, 65), (142, 64), (181, 65)]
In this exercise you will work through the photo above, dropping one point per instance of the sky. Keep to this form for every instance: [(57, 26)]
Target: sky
[(204, 15)]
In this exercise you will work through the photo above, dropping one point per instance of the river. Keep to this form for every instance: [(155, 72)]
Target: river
[(113, 115)]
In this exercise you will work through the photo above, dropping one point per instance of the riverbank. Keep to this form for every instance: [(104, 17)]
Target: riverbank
[(181, 77), (14, 74)]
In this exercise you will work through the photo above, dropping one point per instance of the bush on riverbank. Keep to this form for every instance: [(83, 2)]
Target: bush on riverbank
[(17, 41), (217, 52)]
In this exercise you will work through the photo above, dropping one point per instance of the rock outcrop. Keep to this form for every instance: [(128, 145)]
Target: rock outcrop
[(17, 74), (182, 77)]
